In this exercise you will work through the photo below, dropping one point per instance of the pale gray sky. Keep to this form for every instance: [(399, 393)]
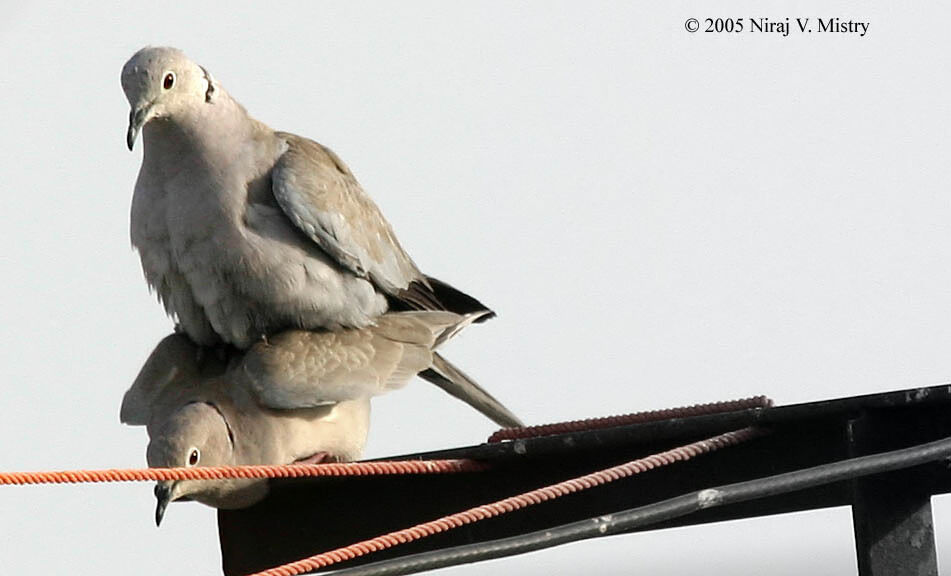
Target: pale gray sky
[(660, 218)]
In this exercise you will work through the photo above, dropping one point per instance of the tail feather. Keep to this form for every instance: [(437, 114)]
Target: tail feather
[(434, 294), (458, 301), (450, 332), (457, 383)]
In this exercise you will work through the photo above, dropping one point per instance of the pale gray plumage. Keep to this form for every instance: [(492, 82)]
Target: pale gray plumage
[(203, 405), (244, 231), (298, 394)]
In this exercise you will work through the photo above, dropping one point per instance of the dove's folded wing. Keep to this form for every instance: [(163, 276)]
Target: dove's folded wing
[(323, 199), (299, 369)]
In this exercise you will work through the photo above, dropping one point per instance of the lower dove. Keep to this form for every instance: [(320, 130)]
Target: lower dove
[(299, 397)]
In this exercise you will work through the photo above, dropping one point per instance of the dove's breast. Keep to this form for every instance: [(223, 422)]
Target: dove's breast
[(226, 260), (150, 234), (275, 437)]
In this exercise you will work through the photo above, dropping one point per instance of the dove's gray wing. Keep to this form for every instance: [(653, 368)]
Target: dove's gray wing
[(175, 359), (323, 199), (299, 369)]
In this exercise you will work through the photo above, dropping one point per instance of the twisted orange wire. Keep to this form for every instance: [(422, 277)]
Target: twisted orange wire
[(220, 472), (625, 419), (509, 504)]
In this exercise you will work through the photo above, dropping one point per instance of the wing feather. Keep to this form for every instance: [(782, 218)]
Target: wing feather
[(300, 369), (320, 195)]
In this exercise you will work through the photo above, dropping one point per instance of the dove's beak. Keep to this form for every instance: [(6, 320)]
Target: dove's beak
[(163, 496), (138, 116)]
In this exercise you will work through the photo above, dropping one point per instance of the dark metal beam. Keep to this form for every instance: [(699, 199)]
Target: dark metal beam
[(290, 525)]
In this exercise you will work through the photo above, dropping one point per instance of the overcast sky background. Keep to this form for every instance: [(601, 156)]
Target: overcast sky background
[(660, 218)]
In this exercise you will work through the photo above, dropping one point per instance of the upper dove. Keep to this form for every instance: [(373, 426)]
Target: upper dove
[(244, 231)]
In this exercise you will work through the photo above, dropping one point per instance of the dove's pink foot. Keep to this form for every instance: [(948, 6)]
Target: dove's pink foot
[(318, 458)]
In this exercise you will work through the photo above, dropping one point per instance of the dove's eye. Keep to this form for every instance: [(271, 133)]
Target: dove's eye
[(169, 81), (193, 457)]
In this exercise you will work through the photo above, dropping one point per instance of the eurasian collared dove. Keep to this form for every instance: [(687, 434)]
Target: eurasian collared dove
[(299, 396), (245, 232)]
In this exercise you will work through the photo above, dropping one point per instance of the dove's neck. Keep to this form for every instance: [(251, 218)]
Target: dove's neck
[(204, 137)]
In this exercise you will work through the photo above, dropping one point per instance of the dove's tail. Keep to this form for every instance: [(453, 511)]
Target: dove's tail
[(454, 381), (434, 294), (462, 322), (457, 301)]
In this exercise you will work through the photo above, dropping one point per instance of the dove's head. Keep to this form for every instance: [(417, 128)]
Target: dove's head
[(196, 434), (162, 83)]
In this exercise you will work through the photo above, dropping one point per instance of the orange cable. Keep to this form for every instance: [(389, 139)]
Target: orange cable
[(511, 503), (220, 472)]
